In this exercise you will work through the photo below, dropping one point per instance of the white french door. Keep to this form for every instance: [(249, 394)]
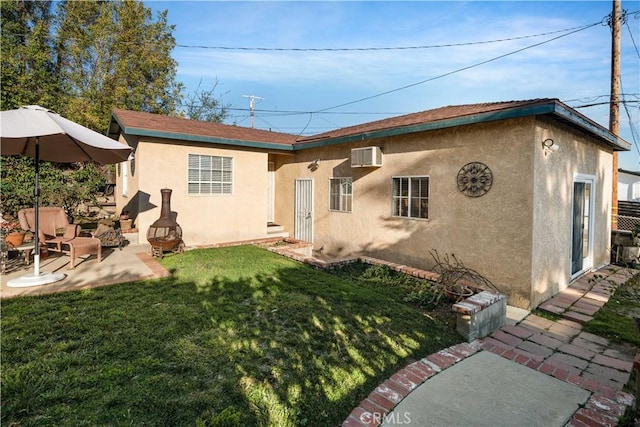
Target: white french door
[(582, 227)]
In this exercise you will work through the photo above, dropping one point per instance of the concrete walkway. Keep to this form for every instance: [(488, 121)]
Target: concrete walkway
[(548, 373)]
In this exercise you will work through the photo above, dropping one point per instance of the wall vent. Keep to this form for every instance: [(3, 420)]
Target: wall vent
[(366, 157)]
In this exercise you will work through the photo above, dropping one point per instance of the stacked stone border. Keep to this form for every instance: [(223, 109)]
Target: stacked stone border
[(381, 401)]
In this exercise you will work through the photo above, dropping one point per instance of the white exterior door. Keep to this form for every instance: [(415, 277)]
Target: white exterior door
[(303, 226), (582, 230)]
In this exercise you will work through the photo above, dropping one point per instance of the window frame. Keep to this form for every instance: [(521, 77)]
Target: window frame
[(396, 212), (222, 182), (341, 194)]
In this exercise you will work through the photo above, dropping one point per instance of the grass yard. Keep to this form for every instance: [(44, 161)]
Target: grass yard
[(615, 319), (236, 336)]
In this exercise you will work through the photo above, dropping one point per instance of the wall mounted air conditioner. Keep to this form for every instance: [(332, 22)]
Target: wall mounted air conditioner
[(366, 157)]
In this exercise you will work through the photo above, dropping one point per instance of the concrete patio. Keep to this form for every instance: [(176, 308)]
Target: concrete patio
[(132, 262)]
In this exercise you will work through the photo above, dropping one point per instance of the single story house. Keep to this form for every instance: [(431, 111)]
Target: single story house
[(628, 202), (519, 191), (628, 185)]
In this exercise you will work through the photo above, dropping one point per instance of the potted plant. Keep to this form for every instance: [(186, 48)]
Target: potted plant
[(456, 292), (12, 233), (631, 248), (125, 222)]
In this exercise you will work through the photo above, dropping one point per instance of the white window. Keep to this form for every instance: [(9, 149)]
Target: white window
[(340, 194), (210, 174), (410, 197)]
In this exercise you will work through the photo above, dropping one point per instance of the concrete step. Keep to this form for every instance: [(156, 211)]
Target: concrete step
[(276, 230), (282, 234)]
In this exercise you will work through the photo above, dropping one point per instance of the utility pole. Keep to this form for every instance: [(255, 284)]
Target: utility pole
[(252, 105), (614, 102)]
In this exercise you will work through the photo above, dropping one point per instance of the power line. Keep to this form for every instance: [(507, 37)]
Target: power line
[(595, 104), (365, 49), (634, 132), (458, 70), (632, 39), (296, 112)]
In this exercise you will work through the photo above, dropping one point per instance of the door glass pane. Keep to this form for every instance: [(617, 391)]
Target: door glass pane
[(577, 233), (585, 223)]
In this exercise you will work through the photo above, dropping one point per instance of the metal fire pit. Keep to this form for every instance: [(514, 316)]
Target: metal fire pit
[(165, 234)]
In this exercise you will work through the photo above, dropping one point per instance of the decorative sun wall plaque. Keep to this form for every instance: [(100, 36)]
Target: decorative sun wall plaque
[(475, 179)]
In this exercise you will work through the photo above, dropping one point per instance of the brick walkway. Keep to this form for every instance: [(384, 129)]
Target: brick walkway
[(557, 348)]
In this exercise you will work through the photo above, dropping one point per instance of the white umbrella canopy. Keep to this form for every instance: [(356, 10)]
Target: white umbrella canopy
[(60, 139), (44, 135)]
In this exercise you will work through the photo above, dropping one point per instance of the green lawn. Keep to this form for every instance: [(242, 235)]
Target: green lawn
[(615, 319), (236, 336)]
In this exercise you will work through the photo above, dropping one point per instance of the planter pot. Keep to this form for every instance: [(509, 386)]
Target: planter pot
[(126, 224), (630, 254), (458, 293), (15, 239)]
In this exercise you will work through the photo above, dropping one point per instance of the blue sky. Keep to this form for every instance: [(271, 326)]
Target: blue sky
[(301, 88)]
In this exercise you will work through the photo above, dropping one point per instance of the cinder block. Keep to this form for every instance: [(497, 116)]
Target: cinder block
[(484, 322)]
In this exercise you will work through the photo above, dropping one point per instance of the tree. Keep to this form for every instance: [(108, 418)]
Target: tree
[(92, 56), (66, 187), (113, 55), (88, 58), (205, 106), (27, 48)]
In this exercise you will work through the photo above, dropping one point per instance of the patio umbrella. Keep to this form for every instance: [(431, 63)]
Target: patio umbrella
[(45, 135)]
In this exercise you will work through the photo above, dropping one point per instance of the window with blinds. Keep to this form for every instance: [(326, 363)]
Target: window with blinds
[(210, 174)]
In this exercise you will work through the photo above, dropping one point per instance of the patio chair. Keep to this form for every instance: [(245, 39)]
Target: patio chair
[(55, 232)]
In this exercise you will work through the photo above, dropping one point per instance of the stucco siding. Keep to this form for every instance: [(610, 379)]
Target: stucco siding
[(554, 176), (126, 189), (204, 219), (491, 234), (518, 234)]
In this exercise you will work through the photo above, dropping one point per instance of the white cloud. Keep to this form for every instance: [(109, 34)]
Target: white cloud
[(575, 66)]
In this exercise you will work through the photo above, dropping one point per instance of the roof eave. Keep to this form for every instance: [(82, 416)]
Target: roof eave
[(616, 143), (440, 124), (194, 138)]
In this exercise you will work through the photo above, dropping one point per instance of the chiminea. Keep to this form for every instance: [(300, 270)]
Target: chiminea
[(165, 234)]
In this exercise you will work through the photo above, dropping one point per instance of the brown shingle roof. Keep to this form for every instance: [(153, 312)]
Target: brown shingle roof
[(191, 130), (428, 116), (175, 125)]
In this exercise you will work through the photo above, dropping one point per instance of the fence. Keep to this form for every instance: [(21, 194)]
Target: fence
[(626, 222)]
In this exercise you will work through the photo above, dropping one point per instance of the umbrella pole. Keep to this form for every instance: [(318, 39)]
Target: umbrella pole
[(36, 197), (37, 278)]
